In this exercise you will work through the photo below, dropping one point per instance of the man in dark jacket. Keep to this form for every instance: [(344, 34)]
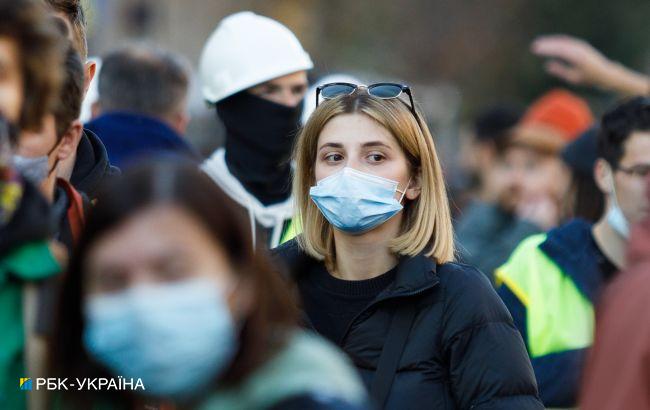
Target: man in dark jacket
[(142, 105), (88, 164), (553, 281), (41, 153)]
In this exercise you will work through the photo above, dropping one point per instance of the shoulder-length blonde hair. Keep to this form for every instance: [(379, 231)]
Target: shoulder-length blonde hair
[(426, 225)]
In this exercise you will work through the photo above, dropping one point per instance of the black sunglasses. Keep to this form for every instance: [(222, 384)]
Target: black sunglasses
[(385, 91)]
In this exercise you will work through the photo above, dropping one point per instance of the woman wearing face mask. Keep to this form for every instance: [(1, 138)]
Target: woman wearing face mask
[(166, 292), (375, 268)]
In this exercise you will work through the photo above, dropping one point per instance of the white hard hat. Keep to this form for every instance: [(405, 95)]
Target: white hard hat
[(246, 50)]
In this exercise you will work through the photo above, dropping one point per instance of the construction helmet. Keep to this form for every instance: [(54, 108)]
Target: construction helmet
[(247, 49)]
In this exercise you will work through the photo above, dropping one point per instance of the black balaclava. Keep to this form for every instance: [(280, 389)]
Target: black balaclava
[(259, 139)]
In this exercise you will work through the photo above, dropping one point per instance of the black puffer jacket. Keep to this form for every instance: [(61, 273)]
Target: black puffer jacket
[(463, 351)]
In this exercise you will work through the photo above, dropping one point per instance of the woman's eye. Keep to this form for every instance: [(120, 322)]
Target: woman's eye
[(375, 157), (333, 157)]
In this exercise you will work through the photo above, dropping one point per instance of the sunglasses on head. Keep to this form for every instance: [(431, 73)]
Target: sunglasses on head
[(384, 91)]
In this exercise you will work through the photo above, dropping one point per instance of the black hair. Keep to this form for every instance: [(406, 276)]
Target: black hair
[(618, 124)]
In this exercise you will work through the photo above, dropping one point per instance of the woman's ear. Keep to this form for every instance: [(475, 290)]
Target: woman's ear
[(415, 187)]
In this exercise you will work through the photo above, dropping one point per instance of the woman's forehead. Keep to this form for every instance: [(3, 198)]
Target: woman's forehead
[(355, 129)]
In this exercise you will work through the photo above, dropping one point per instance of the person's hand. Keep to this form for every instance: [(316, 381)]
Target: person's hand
[(577, 62), (572, 59)]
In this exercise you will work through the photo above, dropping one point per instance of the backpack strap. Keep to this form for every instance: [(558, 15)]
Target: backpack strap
[(400, 326)]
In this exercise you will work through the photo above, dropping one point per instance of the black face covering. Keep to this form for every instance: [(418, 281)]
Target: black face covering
[(259, 139)]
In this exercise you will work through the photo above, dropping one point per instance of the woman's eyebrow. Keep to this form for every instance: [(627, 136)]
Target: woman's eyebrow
[(375, 144), (331, 145)]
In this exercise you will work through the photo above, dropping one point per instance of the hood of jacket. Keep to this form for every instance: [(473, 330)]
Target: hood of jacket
[(92, 165)]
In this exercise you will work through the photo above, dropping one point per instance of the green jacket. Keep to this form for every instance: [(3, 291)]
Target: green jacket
[(29, 262)]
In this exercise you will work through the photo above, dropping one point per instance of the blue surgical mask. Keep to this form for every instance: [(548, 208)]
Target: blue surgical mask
[(615, 217), (176, 337), (356, 202), (35, 169)]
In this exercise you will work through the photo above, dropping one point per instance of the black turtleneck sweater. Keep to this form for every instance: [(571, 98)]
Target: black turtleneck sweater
[(331, 303)]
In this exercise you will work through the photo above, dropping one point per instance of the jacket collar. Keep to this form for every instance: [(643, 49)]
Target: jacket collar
[(415, 274), (572, 247), (92, 165)]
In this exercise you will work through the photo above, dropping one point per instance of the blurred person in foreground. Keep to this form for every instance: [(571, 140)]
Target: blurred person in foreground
[(29, 40), (142, 105), (553, 281), (254, 72), (577, 62), (525, 181), (88, 164), (617, 375), (167, 293)]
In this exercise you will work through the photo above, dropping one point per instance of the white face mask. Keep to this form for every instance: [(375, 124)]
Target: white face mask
[(35, 169), (615, 217)]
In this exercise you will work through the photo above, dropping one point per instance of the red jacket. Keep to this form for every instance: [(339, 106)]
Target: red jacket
[(618, 373)]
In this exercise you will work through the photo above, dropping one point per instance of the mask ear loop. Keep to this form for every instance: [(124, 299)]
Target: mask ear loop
[(404, 192), (613, 185)]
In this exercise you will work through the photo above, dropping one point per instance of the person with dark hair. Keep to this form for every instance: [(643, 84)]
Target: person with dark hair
[(553, 280), (88, 165), (38, 154), (585, 200), (526, 183), (72, 13), (166, 291), (142, 105), (481, 152)]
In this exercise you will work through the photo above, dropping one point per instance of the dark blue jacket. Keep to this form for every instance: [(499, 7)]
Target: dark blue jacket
[(129, 136), (462, 351)]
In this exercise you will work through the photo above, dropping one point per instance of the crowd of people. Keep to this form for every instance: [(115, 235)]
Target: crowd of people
[(313, 261)]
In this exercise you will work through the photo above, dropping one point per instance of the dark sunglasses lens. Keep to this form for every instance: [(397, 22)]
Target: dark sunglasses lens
[(334, 90), (385, 91)]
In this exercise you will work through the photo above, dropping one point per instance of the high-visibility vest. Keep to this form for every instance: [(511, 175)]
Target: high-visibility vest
[(558, 316)]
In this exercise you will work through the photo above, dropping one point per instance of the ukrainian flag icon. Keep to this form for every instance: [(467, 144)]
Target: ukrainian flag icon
[(25, 383)]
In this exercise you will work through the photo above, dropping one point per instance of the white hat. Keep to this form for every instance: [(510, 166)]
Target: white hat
[(246, 50)]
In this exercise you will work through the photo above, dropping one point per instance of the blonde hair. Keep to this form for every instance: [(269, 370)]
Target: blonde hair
[(426, 225)]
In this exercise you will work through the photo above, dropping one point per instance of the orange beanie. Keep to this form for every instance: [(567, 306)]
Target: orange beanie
[(553, 120)]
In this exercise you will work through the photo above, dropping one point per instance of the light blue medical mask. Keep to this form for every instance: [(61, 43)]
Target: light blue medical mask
[(356, 202), (176, 337), (35, 169), (615, 217)]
